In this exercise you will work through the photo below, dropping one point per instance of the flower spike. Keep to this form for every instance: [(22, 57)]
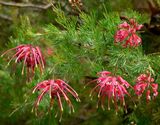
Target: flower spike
[(146, 82), (127, 34), (29, 55), (112, 87), (56, 89)]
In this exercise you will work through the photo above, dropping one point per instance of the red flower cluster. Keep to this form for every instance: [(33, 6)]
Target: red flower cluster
[(31, 57), (146, 82), (56, 89), (111, 87), (127, 34)]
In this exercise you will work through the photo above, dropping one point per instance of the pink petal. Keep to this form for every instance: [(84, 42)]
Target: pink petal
[(139, 27), (124, 25), (148, 97), (121, 35)]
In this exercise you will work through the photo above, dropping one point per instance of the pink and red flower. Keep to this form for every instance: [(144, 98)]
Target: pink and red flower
[(127, 34), (56, 90), (29, 55), (111, 87), (146, 83)]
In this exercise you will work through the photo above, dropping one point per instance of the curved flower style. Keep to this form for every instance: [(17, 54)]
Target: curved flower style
[(112, 87), (146, 82), (56, 89), (31, 57), (127, 33)]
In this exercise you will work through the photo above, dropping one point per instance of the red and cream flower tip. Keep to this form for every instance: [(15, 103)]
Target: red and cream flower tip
[(114, 88), (126, 34), (145, 83), (57, 89), (29, 55)]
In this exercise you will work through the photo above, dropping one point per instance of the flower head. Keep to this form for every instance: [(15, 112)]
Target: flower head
[(56, 90), (111, 87), (29, 55), (146, 82), (127, 34)]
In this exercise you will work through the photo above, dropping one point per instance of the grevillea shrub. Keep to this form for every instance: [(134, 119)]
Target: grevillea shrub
[(81, 51)]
